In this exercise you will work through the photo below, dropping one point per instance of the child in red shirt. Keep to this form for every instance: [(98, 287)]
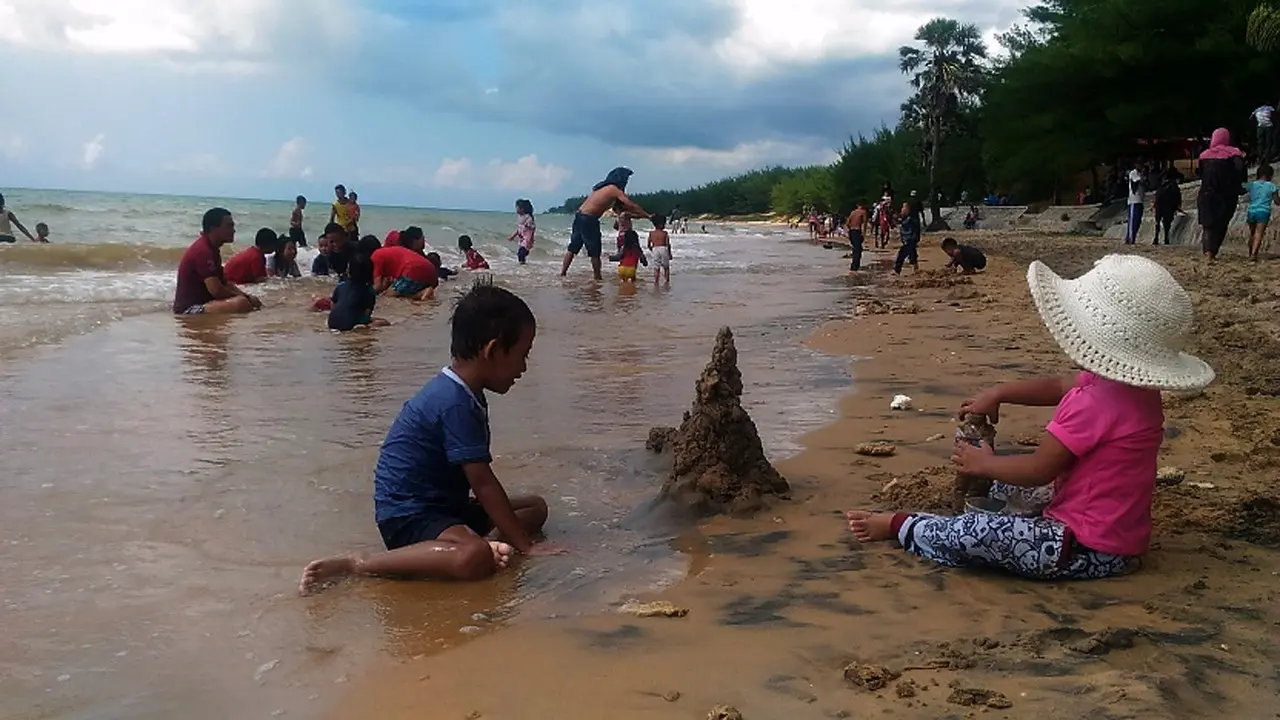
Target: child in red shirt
[(475, 261), (250, 265)]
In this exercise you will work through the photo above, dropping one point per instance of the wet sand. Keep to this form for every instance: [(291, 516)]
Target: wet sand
[(780, 605), (165, 480)]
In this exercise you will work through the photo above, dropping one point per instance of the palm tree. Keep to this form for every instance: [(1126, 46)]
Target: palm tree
[(947, 74), (1264, 26)]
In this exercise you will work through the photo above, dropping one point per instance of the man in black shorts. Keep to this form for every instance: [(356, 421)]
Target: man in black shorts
[(610, 193)]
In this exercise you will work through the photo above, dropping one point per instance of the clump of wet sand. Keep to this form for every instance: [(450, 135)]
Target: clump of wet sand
[(720, 465)]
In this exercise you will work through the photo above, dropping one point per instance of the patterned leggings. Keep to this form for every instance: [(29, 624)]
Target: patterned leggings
[(1034, 547)]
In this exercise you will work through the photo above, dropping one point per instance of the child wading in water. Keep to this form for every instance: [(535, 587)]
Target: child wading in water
[(1262, 195), (474, 260), (354, 298), (660, 246), (629, 256), (525, 229), (435, 496), (1122, 323)]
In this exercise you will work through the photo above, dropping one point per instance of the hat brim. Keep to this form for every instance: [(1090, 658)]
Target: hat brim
[(1073, 326)]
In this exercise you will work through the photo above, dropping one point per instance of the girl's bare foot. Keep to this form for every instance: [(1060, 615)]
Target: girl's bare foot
[(869, 526), (322, 573), (501, 553)]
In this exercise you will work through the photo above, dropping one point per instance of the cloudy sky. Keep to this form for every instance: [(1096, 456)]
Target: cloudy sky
[(443, 103)]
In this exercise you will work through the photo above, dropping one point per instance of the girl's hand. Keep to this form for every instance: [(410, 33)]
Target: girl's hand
[(986, 403), (971, 460)]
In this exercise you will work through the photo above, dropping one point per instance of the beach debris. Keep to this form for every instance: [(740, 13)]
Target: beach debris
[(657, 608), (720, 465), (470, 630), (1169, 476), (671, 695), (1202, 485), (906, 689), (869, 677), (724, 712), (935, 438), (879, 307), (1027, 440), (900, 402), (876, 449), (974, 697), (974, 429), (263, 669), (1104, 641)]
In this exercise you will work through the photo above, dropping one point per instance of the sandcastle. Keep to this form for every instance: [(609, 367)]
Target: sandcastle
[(719, 462)]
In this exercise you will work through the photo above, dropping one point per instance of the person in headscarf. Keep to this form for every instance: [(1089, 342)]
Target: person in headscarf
[(608, 194), (1222, 174)]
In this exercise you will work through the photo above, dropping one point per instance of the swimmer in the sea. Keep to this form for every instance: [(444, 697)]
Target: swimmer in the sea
[(42, 233), (8, 221), (442, 512), (606, 194)]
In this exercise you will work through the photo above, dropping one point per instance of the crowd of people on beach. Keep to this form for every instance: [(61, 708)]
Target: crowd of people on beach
[(397, 265)]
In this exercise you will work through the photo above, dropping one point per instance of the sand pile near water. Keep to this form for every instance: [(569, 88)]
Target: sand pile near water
[(720, 464)]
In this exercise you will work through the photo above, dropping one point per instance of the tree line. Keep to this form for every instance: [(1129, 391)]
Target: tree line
[(1076, 85)]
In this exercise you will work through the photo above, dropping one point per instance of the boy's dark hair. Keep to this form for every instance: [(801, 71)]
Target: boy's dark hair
[(266, 239), (464, 242), (340, 187), (301, 199), (41, 226), (525, 205), (212, 218), (334, 227), (1266, 172), (487, 313), (411, 234), (368, 245), (948, 243), (360, 269), (659, 221), (434, 258)]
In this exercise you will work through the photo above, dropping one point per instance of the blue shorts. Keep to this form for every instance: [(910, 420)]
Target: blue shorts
[(194, 310), (1257, 217), (413, 529), (586, 233), (405, 286), (522, 253)]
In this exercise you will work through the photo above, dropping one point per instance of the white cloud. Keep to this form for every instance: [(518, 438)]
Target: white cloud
[(526, 174), (290, 160), (744, 156), (93, 151), (770, 32)]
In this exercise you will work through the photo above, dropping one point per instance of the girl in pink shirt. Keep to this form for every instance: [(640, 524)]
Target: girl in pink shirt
[(1122, 323)]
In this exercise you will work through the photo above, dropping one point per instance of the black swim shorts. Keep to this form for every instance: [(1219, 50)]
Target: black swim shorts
[(12, 239), (298, 236), (586, 232), (413, 529)]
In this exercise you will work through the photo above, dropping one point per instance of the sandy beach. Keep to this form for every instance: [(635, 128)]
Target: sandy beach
[(788, 616)]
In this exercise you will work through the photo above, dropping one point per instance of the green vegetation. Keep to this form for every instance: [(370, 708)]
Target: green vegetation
[(1079, 84)]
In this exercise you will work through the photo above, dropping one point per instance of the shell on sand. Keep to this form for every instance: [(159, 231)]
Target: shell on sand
[(657, 608), (876, 449), (724, 712)]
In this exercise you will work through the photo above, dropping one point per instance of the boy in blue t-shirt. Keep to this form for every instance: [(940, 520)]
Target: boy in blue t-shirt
[(1262, 194), (435, 495)]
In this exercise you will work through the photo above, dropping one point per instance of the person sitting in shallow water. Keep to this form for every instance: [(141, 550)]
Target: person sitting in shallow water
[(1122, 323), (442, 512)]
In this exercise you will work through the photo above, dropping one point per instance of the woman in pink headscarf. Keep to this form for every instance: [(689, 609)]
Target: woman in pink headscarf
[(1222, 175)]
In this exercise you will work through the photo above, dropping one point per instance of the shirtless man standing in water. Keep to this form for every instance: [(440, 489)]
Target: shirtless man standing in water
[(857, 224), (610, 193)]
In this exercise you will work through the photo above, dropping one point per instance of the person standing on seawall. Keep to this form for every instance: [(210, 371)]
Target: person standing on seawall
[(609, 193), (1263, 118), (7, 221), (1137, 198), (1222, 175), (202, 287)]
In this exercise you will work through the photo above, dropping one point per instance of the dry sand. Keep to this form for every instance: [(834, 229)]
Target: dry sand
[(788, 617)]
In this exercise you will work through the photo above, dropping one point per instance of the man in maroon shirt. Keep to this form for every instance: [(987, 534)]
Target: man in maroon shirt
[(202, 289)]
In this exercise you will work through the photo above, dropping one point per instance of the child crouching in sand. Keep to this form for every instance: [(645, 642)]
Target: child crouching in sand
[(1122, 323), (435, 495)]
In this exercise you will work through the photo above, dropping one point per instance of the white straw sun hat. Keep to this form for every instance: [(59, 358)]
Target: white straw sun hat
[(1125, 320)]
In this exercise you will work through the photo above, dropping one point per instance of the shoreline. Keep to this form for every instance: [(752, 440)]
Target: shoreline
[(779, 604)]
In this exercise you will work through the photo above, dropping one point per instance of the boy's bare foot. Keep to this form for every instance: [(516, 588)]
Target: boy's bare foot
[(321, 573), (869, 526), (501, 553)]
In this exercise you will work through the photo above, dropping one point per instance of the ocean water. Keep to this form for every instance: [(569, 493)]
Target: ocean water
[(165, 479)]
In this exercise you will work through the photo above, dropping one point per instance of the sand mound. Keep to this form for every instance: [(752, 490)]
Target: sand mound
[(720, 464)]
